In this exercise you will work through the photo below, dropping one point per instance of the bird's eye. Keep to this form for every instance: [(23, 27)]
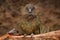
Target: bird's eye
[(33, 7), (27, 8)]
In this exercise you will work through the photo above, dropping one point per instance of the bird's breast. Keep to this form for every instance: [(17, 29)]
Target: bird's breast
[(29, 27)]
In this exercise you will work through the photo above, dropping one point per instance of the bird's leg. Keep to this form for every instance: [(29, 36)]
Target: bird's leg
[(25, 35), (32, 35)]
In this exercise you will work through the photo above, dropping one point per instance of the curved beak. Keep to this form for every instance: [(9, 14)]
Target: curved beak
[(30, 11)]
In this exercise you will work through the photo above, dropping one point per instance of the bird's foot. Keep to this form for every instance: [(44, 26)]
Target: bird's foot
[(32, 35), (25, 35)]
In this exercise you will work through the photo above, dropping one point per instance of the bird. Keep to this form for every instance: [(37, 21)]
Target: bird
[(30, 23)]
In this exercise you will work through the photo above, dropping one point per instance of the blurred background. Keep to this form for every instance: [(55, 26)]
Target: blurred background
[(10, 12)]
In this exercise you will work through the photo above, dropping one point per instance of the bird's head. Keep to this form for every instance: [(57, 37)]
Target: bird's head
[(30, 8)]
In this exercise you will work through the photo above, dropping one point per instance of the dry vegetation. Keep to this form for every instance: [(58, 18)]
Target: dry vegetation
[(11, 11)]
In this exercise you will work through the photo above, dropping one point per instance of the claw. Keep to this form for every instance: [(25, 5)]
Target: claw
[(32, 35), (12, 32), (25, 35)]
